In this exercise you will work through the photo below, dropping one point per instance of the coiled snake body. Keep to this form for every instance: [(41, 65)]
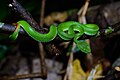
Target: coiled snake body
[(66, 30)]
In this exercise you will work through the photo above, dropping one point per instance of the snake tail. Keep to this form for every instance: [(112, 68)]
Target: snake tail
[(34, 34)]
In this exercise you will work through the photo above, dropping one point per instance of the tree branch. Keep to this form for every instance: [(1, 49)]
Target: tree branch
[(24, 14), (7, 28)]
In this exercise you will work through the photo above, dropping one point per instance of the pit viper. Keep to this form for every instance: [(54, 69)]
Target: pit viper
[(67, 31)]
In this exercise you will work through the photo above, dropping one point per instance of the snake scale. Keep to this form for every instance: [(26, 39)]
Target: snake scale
[(66, 30)]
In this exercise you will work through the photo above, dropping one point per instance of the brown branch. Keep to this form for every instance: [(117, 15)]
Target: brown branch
[(7, 28), (23, 76), (42, 13), (24, 14), (41, 45)]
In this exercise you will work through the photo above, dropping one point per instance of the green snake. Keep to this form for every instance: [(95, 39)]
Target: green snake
[(67, 31)]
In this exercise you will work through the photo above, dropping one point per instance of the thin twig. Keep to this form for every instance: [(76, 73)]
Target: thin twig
[(69, 65), (23, 76), (42, 13), (85, 8), (82, 19), (82, 11), (41, 50)]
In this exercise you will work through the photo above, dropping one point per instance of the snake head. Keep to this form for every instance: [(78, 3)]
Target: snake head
[(83, 46)]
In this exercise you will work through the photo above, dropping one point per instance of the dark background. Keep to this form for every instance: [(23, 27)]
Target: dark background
[(34, 6)]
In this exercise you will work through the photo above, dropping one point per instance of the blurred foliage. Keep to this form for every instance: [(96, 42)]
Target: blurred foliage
[(3, 9), (3, 36), (3, 50)]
